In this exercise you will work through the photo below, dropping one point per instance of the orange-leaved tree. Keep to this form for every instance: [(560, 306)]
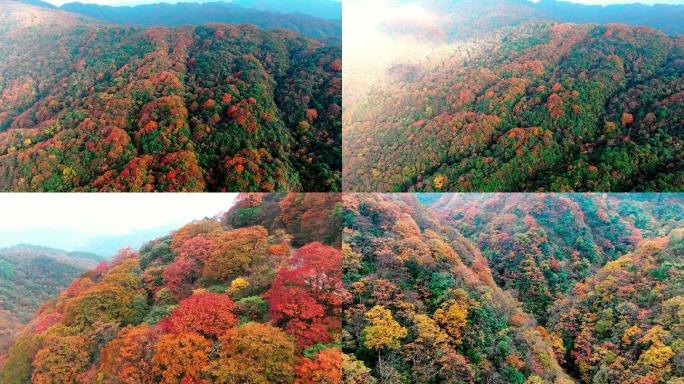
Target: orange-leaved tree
[(255, 353)]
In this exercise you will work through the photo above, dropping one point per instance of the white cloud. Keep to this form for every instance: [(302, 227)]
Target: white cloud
[(107, 214), (368, 48)]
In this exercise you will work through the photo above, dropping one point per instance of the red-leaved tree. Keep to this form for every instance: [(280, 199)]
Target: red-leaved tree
[(209, 314), (305, 295)]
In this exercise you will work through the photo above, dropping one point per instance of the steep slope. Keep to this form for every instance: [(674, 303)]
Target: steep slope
[(30, 276), (96, 107), (538, 107), (209, 303), (421, 304), (624, 325), (586, 282), (179, 14), (541, 245)]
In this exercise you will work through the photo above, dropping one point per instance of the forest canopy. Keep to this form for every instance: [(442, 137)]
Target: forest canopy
[(513, 288), (216, 301), (305, 288), (88, 106), (472, 101)]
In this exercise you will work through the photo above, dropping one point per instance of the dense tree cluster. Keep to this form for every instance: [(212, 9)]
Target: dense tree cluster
[(512, 288), (429, 288), (207, 304), (539, 107), (307, 217), (90, 107), (421, 305), (541, 245), (624, 324)]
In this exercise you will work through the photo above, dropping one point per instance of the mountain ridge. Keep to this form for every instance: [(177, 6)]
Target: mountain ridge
[(206, 108), (536, 107), (173, 15), (30, 276), (80, 259), (326, 9), (437, 274)]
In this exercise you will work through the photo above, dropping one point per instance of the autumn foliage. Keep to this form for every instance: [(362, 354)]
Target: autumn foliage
[(307, 299), (324, 368), (512, 288), (208, 314), (531, 105), (208, 304), (215, 107)]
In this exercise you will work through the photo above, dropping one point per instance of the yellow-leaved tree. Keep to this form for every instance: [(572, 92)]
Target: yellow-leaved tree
[(383, 332), (452, 317)]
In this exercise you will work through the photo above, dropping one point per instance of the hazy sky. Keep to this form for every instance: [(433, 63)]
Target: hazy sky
[(603, 2), (134, 2), (107, 214), (126, 2)]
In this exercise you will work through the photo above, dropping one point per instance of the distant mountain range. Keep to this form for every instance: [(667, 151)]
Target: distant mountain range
[(38, 3), (31, 275), (173, 15), (327, 9), (77, 244), (463, 19), (667, 18), (313, 18), (78, 259)]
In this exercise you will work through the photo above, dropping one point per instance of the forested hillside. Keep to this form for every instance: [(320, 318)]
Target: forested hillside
[(379, 288), (541, 245), (625, 323), (421, 304), (513, 288), (525, 106), (225, 301), (30, 276), (93, 107)]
